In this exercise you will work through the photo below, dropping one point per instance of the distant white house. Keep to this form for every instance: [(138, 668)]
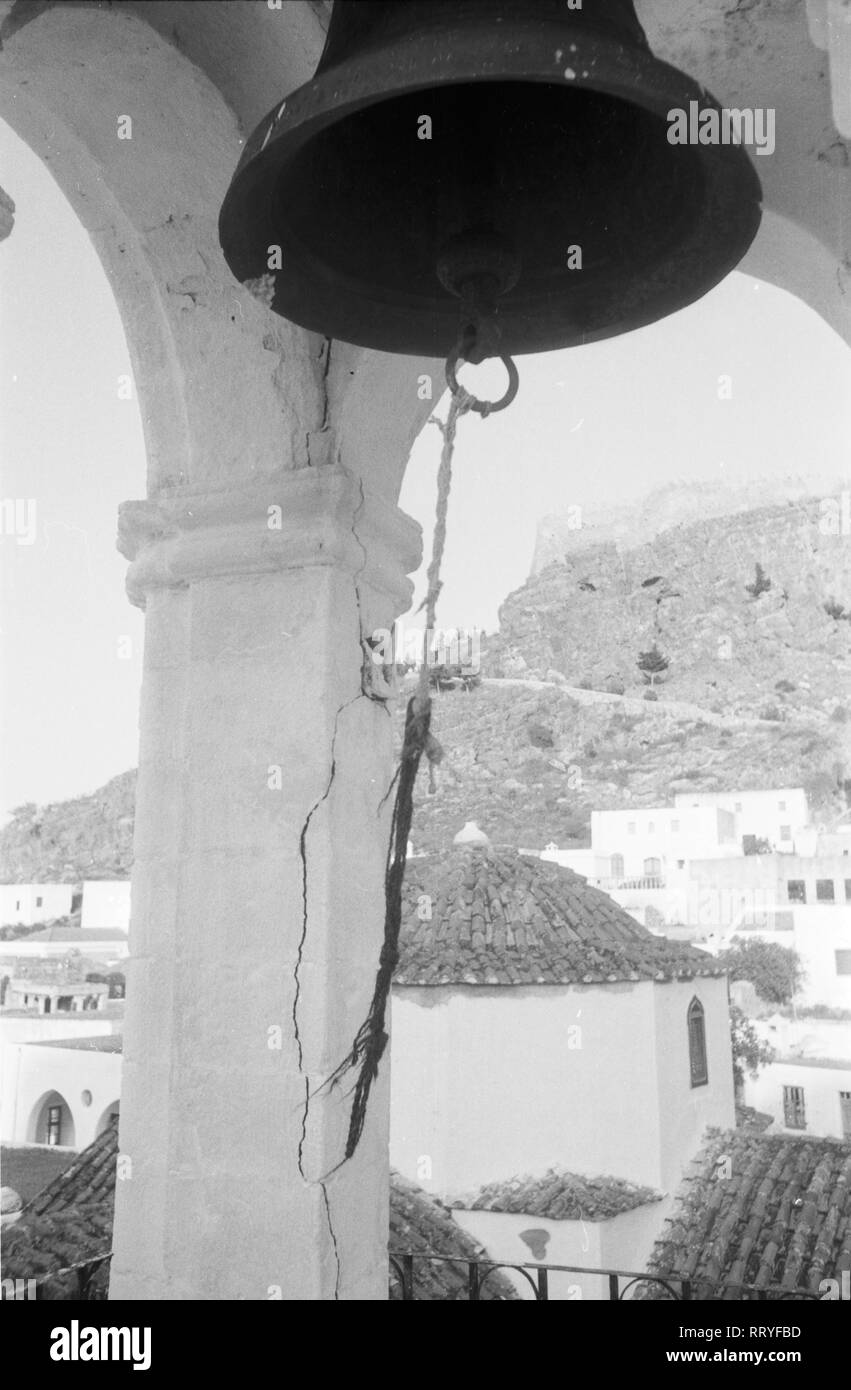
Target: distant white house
[(801, 902), (103, 903), (55, 996), (53, 943), (643, 845), (61, 1093), (106, 904), (23, 904), (807, 1088), (536, 1025), (779, 815)]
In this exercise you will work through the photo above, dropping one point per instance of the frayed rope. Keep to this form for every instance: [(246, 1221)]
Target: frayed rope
[(371, 1039)]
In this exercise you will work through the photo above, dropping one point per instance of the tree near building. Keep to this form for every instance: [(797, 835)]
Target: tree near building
[(749, 1051), (774, 971), (652, 664)]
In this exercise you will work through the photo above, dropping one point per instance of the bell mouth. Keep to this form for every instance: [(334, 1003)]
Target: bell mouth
[(362, 206)]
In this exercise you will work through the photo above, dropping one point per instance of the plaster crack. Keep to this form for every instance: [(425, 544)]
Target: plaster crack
[(303, 938), (333, 1236)]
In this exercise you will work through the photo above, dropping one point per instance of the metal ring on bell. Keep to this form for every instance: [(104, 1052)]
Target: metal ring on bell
[(484, 408)]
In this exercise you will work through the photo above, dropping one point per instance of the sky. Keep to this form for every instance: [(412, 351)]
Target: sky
[(590, 426)]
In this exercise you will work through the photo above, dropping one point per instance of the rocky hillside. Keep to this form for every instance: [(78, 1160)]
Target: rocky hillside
[(88, 837), (738, 640), (748, 618), (529, 761)]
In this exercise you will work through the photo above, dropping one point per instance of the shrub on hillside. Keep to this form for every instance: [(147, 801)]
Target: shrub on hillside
[(652, 664), (761, 583)]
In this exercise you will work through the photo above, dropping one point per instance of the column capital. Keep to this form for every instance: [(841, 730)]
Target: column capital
[(299, 518)]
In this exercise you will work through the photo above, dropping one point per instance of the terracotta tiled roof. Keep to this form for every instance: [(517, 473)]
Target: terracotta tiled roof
[(781, 1220), (752, 1120), (89, 1180), (70, 1220), (502, 918), (420, 1223), (561, 1196)]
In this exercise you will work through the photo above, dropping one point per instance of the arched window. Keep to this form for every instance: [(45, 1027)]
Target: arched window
[(652, 868), (697, 1044), (52, 1122)]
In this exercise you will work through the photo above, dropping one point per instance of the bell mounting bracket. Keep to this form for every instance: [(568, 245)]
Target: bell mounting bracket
[(479, 267)]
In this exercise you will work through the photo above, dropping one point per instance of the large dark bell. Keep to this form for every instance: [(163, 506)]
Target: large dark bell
[(549, 130)]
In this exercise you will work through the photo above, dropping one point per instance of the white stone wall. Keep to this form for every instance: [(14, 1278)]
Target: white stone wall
[(669, 834), (106, 903), (27, 903), (819, 933), (30, 1072), (779, 814), (821, 1084), (622, 1243), (488, 1083)]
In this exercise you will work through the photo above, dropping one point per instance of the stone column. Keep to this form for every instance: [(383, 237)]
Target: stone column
[(257, 915)]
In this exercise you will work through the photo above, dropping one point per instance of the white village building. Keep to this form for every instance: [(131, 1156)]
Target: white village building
[(513, 1093), (555, 1065), (24, 904)]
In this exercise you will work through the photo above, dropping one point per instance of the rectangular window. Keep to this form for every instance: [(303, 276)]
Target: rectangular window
[(794, 1112), (738, 806), (39, 901), (848, 890), (630, 829), (781, 805), (651, 828), (697, 1044), (54, 1125), (843, 962), (675, 827), (824, 890), (796, 890), (785, 832), (845, 1113)]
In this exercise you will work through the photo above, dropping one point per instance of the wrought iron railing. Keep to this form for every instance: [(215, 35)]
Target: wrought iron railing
[(642, 881), (622, 1285), (85, 1281)]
